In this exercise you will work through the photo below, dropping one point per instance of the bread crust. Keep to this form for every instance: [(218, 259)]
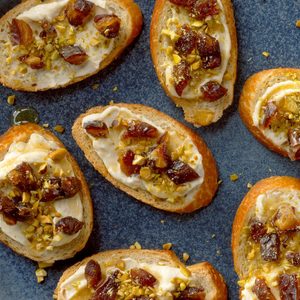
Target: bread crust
[(201, 270), (189, 109), (135, 24), (22, 133), (246, 207), (252, 89), (208, 188)]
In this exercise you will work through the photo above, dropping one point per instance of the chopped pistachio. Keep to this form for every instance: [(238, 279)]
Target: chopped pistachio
[(95, 86), (58, 154), (298, 23), (185, 256), (234, 177), (167, 246), (115, 89), (11, 99), (266, 54), (45, 125), (59, 128), (249, 185)]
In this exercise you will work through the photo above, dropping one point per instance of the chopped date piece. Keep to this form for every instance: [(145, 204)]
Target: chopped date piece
[(288, 286), (23, 177), (203, 9), (7, 205), (79, 11), (257, 230), (142, 277), (93, 273), (285, 218), (213, 91), (70, 186), (209, 51), (160, 156), (74, 55), (270, 247), (48, 32), (138, 129), (69, 225), (182, 76), (20, 33), (34, 62), (108, 25), (9, 220), (192, 293), (187, 3), (294, 141), (270, 112), (262, 291), (51, 189), (108, 289), (23, 213), (97, 129), (126, 164), (187, 41), (180, 172), (293, 258)]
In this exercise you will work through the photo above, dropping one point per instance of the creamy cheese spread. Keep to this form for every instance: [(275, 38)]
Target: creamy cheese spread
[(36, 150), (106, 149), (164, 275)]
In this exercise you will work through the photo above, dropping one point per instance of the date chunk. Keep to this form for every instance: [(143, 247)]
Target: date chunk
[(138, 129), (209, 51), (180, 172), (68, 225), (203, 9), (20, 33), (288, 286), (108, 25), (257, 230), (93, 273), (270, 112), (294, 141), (213, 91), (74, 55), (107, 290), (262, 291), (187, 41), (270, 247), (192, 293), (142, 277), (286, 218), (22, 177), (187, 3), (293, 258), (70, 186), (126, 164), (51, 189), (182, 77), (97, 129), (79, 11)]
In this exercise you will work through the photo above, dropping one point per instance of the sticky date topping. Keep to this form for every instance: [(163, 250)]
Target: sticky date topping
[(262, 291), (294, 142), (93, 273), (187, 41), (257, 230), (142, 277), (69, 225), (288, 286), (213, 91), (108, 25), (139, 129), (192, 293), (126, 163), (74, 55), (270, 247), (182, 77), (20, 33), (79, 11), (97, 129)]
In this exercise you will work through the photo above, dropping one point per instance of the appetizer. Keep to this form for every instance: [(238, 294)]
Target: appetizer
[(270, 108), (194, 51), (45, 206), (140, 274), (148, 155), (54, 43), (265, 240)]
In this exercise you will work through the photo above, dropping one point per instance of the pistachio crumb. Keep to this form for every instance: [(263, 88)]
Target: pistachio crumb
[(167, 246), (185, 256), (95, 86), (136, 245), (40, 275), (46, 125), (59, 128), (213, 236), (249, 185), (11, 99), (234, 177), (115, 89), (111, 102), (298, 23), (162, 221), (220, 182), (266, 54)]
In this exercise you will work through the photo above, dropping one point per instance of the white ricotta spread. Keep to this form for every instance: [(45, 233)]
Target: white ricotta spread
[(163, 274), (225, 47), (61, 71), (36, 150), (275, 93), (106, 149)]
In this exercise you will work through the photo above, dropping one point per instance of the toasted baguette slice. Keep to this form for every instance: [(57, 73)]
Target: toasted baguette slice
[(55, 72), (202, 276), (202, 194), (170, 47), (265, 239), (35, 157), (269, 99)]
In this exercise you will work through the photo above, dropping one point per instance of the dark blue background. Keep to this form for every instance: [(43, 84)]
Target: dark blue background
[(119, 220)]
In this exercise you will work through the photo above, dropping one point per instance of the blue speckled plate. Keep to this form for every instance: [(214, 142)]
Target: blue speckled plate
[(120, 220)]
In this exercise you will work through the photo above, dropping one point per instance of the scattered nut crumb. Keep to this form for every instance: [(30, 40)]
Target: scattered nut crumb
[(220, 181), (95, 86), (46, 125), (218, 252), (249, 185), (167, 246), (40, 275), (185, 256), (213, 236), (115, 89), (234, 177), (136, 245), (298, 23), (11, 99), (43, 265), (111, 102), (59, 128), (162, 221), (266, 54)]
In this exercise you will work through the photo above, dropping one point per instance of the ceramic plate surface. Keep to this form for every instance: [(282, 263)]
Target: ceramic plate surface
[(119, 219)]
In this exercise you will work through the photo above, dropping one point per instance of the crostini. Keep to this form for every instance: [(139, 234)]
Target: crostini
[(270, 108), (54, 43), (45, 207), (148, 155), (140, 274), (194, 51), (265, 240)]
